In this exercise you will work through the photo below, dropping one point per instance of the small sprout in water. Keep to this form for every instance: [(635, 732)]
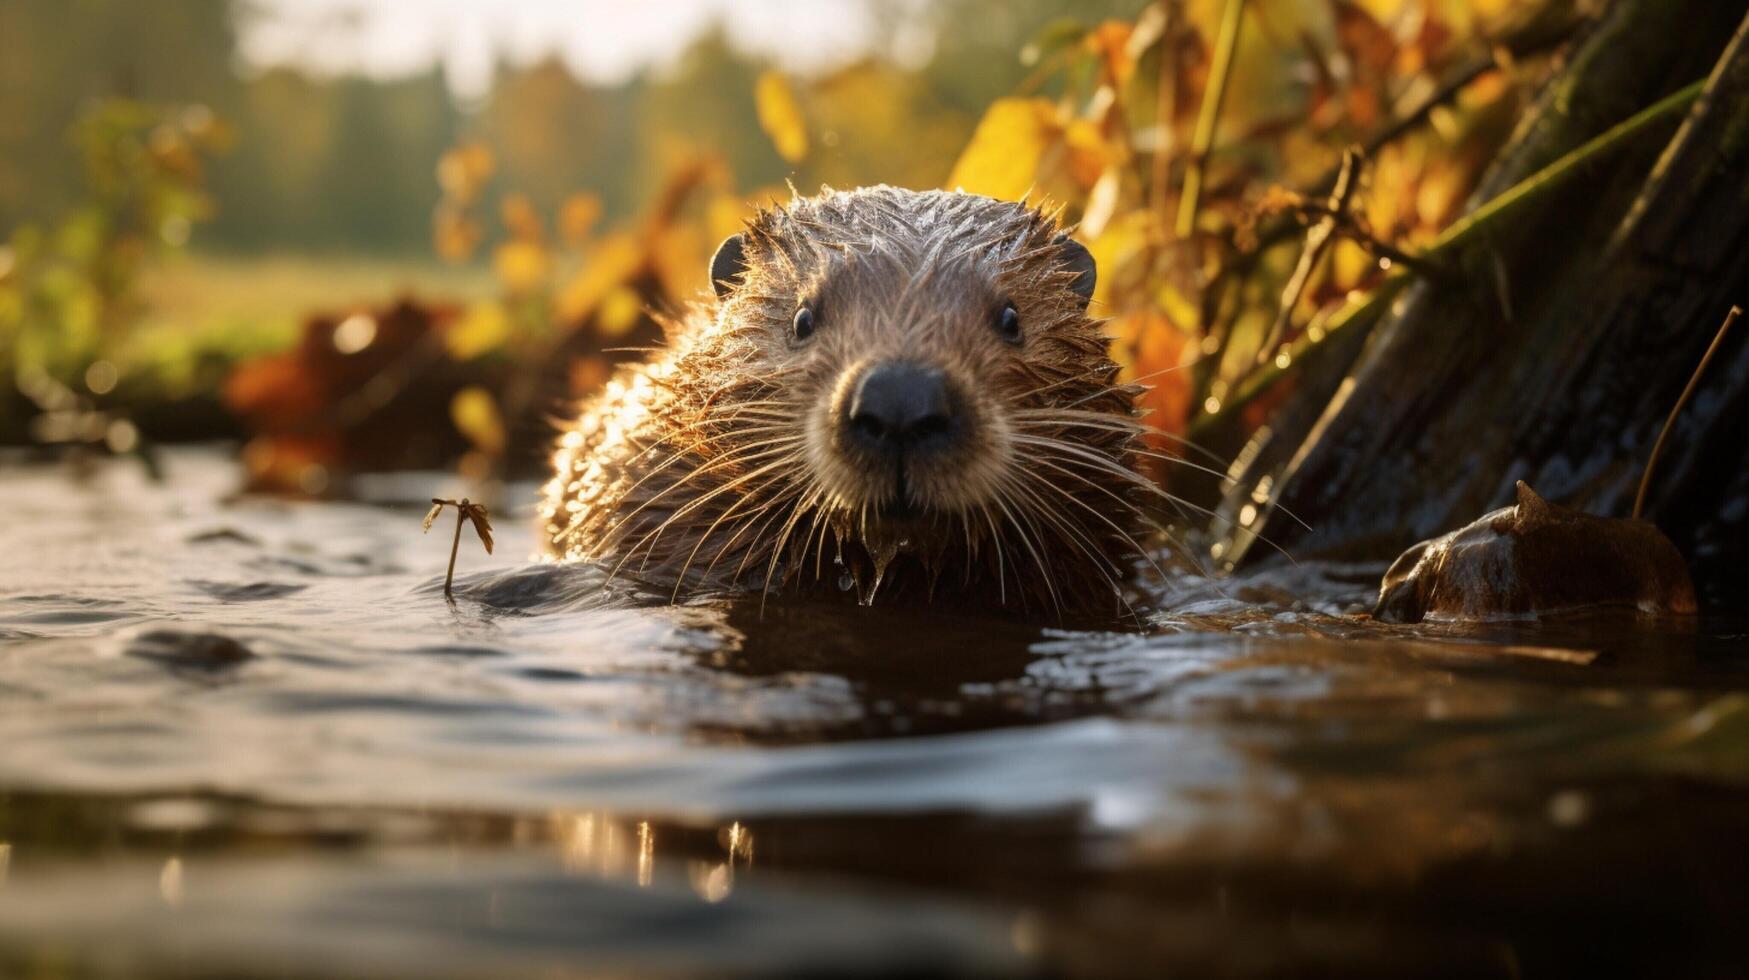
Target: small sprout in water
[(465, 510)]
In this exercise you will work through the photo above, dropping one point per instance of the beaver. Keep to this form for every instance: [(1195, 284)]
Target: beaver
[(900, 392)]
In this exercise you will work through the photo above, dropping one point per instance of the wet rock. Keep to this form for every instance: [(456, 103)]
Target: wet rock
[(223, 535), (1536, 557), (190, 651)]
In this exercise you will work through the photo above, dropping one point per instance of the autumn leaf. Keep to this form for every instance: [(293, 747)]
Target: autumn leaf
[(1110, 43), (475, 414), (613, 260), (577, 217), (485, 327), (521, 266), (1158, 353), (1003, 159), (482, 526), (521, 220), (619, 312), (780, 115), (463, 171), (455, 233)]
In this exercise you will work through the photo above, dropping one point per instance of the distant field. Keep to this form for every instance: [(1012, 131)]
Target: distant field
[(245, 305), (202, 309)]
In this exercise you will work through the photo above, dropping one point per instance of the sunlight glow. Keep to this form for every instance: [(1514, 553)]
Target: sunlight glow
[(170, 887), (646, 854), (600, 40)]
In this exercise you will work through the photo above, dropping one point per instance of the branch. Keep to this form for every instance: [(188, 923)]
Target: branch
[(1203, 141), (1318, 238), (1508, 205)]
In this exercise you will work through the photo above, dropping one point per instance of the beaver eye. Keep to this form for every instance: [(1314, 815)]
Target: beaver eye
[(803, 325), (1008, 324)]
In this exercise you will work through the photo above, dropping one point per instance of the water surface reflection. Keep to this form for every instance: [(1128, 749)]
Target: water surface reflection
[(241, 725)]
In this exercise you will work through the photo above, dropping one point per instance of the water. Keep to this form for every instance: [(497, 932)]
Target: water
[(243, 736)]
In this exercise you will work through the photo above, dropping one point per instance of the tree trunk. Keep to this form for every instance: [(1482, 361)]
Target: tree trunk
[(1617, 285)]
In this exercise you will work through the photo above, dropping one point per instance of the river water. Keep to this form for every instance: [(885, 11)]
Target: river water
[(250, 737)]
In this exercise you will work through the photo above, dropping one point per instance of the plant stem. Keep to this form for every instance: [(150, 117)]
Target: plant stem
[(454, 546), (1210, 116), (1676, 409), (1165, 101), (1462, 232)]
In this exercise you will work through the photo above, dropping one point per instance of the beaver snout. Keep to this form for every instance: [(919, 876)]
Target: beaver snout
[(898, 408)]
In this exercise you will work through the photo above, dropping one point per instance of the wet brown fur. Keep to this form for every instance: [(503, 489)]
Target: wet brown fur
[(716, 464)]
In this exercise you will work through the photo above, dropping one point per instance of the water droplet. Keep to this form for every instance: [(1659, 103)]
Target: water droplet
[(846, 581), (882, 559)]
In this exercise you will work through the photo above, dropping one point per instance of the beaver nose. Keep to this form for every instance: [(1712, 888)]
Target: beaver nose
[(900, 407)]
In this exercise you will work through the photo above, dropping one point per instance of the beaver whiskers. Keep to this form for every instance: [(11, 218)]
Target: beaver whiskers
[(894, 390)]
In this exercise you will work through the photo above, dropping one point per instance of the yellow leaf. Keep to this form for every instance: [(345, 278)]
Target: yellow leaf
[(485, 327), (726, 216), (618, 312), (780, 115), (1349, 264), (475, 414), (613, 261), (1121, 243), (521, 266), (1002, 160)]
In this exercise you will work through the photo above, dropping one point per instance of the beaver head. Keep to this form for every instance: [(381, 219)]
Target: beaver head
[(905, 379)]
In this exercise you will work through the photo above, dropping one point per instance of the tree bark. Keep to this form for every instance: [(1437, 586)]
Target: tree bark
[(1617, 286)]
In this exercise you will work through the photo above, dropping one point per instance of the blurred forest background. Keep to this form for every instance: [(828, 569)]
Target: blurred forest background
[(220, 218)]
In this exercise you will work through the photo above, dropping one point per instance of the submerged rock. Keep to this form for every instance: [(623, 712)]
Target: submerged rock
[(189, 651), (1536, 557)]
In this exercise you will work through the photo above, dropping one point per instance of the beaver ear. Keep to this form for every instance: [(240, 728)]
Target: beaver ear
[(1533, 510), (728, 263), (1080, 261)]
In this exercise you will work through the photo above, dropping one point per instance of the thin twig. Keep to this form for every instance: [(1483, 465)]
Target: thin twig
[(1318, 238), (1676, 409), (1454, 84)]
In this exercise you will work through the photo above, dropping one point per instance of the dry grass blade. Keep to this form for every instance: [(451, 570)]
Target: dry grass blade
[(1675, 410)]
